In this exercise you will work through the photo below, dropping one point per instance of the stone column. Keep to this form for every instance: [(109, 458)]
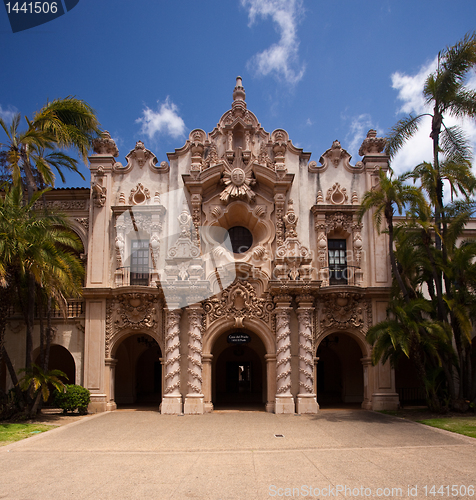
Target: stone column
[(316, 361), (270, 381), (110, 390), (194, 399), (306, 399), (284, 398), (207, 382), (172, 399), (366, 363)]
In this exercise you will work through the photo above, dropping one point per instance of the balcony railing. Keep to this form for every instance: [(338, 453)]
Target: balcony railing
[(341, 276), (74, 309), (131, 276)]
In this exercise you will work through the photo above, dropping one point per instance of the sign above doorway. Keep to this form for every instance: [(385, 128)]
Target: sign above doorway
[(238, 338)]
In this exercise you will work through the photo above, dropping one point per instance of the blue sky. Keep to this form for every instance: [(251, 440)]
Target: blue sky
[(154, 71)]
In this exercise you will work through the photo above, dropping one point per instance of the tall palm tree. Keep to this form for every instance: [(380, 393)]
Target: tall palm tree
[(445, 91), (38, 246), (33, 155), (390, 194)]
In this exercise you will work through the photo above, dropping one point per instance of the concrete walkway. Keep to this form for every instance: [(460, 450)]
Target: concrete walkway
[(235, 455)]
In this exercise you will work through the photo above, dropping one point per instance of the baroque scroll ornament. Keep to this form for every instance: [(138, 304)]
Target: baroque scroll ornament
[(343, 310), (136, 311), (238, 301)]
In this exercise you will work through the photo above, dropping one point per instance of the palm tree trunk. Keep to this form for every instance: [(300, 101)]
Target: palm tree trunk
[(30, 319), (393, 260), (34, 408), (14, 378)]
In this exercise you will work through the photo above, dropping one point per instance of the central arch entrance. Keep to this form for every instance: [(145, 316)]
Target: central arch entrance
[(239, 371)]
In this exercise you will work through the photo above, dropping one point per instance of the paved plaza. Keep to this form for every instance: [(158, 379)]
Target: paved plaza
[(237, 455)]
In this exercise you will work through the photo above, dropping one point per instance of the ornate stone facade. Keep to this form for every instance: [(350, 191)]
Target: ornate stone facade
[(229, 287)]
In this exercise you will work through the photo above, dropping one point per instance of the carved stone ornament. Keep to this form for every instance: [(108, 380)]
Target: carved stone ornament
[(63, 205), (183, 258), (139, 195), (290, 220), (339, 221), (343, 310), (283, 352), (105, 145), (84, 221), (135, 311), (336, 195), (211, 156), (140, 156), (263, 158), (334, 156), (237, 183), (372, 144), (292, 257), (99, 193), (239, 302)]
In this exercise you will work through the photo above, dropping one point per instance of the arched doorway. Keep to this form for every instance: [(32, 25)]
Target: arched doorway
[(339, 374), (61, 359), (138, 372), (239, 371)]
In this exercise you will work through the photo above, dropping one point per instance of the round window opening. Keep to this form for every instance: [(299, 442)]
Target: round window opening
[(241, 239)]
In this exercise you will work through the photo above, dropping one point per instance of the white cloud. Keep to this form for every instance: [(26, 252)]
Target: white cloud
[(359, 127), (419, 147), (7, 114), (164, 121), (281, 59)]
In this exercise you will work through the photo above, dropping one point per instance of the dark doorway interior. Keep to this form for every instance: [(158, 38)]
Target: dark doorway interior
[(239, 378), (340, 379), (138, 379)]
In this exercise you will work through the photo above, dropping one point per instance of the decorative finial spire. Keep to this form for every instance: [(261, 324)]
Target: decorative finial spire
[(239, 91)]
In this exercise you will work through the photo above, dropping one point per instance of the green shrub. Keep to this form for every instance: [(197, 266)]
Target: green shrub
[(74, 397)]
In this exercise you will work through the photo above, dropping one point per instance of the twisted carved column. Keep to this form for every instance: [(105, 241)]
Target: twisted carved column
[(194, 399), (172, 400), (306, 400), (284, 398)]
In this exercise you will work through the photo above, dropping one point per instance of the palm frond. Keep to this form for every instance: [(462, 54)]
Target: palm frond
[(401, 132)]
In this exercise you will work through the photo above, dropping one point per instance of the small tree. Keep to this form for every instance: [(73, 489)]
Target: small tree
[(37, 381)]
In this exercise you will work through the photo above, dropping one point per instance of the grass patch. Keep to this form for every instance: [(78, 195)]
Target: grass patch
[(14, 432), (464, 425)]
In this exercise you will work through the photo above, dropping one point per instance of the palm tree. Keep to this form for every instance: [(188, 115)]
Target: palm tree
[(388, 195), (35, 153), (34, 246), (446, 92), (406, 332), (37, 381)]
